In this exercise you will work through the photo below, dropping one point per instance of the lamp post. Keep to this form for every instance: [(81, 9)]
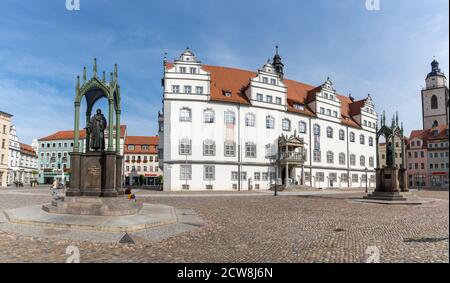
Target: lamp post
[(367, 189)]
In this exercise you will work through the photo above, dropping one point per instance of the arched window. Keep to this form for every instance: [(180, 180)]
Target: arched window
[(370, 141), (329, 132), (352, 160), (230, 118), (270, 151), (185, 147), (286, 125), (250, 120), (209, 148), (434, 102), (316, 130), (352, 137), (302, 127), (270, 122), (362, 160), (208, 116), (371, 162), (330, 157), (362, 139), (435, 123), (341, 158), (185, 115), (250, 150), (341, 135)]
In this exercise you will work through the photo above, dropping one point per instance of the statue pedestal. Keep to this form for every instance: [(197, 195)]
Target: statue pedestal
[(96, 174), (391, 182)]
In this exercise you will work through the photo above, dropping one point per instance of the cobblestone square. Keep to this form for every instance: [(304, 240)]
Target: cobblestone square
[(257, 227)]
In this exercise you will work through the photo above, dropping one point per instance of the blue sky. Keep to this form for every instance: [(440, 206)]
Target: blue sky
[(43, 47)]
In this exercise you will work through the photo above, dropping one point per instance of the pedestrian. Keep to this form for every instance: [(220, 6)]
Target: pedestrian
[(55, 190)]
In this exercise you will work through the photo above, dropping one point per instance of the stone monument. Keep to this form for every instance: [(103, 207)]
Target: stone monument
[(96, 174), (392, 179)]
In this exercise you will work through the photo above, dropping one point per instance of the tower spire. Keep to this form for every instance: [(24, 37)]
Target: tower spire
[(277, 63)]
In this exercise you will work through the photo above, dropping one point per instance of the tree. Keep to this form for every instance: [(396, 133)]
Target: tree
[(141, 180), (159, 180)]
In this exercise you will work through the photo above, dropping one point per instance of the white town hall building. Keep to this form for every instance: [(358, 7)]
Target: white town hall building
[(229, 129)]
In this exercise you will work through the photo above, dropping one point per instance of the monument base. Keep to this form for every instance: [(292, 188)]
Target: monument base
[(391, 181), (96, 174), (94, 206), (389, 196)]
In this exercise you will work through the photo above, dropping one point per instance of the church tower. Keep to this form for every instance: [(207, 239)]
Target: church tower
[(278, 64), (435, 110)]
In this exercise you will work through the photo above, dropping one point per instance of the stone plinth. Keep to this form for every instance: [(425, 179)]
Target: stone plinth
[(391, 182), (96, 174), (94, 206)]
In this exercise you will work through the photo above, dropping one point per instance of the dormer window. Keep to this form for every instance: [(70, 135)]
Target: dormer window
[(183, 70), (299, 106), (273, 81), (331, 97), (227, 93), (193, 70), (265, 80)]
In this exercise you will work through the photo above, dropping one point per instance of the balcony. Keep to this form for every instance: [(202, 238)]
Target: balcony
[(292, 157)]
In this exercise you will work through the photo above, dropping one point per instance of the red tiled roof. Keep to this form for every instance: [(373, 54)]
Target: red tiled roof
[(27, 149), (236, 81), (70, 135), (139, 141), (417, 134), (429, 135)]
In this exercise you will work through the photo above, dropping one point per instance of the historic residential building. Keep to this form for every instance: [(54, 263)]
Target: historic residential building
[(141, 161), (438, 157), (14, 170), (28, 164), (54, 159), (224, 128), (417, 160), (5, 126)]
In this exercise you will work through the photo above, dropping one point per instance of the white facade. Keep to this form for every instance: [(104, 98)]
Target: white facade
[(14, 157), (23, 162), (206, 142)]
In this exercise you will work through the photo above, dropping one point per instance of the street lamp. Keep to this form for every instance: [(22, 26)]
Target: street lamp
[(367, 189)]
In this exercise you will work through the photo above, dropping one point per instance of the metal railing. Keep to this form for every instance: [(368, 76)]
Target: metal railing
[(292, 156)]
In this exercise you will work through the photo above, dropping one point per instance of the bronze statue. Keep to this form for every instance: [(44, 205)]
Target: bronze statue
[(389, 155), (96, 131)]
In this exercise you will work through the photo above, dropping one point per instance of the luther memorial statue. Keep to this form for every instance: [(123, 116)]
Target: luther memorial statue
[(96, 131)]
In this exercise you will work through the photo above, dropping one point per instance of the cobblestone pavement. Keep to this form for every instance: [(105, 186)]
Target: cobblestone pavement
[(316, 228)]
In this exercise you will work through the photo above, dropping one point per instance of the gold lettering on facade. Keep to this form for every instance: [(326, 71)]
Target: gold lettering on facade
[(93, 171)]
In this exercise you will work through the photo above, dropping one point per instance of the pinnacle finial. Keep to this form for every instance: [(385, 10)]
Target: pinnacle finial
[(276, 47), (111, 78), (95, 67), (84, 74), (104, 77), (396, 118), (116, 73), (78, 83)]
